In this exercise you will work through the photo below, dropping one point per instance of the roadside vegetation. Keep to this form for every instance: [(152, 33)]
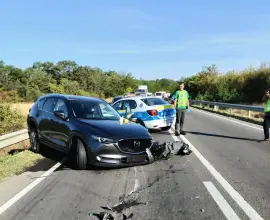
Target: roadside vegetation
[(246, 87), (10, 120), (254, 117), (14, 164)]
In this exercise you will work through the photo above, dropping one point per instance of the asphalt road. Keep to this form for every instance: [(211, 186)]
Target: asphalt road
[(179, 188)]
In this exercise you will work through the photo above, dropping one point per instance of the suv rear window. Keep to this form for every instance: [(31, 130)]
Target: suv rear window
[(41, 103), (154, 101)]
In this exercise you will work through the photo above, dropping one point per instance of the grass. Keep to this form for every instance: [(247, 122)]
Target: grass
[(255, 117), (15, 164), (23, 108)]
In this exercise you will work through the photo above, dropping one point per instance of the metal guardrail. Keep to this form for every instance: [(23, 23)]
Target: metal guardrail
[(249, 108), (13, 138)]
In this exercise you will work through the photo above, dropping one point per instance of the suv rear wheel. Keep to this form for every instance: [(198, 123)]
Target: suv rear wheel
[(81, 156), (34, 143)]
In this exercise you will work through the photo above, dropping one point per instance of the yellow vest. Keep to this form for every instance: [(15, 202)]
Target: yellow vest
[(267, 106), (181, 99)]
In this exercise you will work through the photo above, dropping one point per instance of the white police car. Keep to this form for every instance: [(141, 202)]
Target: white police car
[(151, 112)]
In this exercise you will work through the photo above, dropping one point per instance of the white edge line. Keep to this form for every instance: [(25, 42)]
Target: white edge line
[(228, 119), (221, 202), (23, 192), (136, 183), (231, 191)]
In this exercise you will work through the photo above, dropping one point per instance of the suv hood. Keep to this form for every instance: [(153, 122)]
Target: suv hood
[(114, 129)]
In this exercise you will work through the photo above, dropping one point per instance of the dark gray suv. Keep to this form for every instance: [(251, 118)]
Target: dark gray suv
[(88, 128)]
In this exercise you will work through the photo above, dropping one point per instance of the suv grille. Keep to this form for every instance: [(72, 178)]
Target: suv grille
[(134, 145)]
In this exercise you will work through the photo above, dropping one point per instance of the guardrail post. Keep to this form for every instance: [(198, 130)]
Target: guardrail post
[(230, 111), (249, 114), (216, 108)]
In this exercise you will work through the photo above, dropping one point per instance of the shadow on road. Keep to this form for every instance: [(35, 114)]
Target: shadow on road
[(222, 136)]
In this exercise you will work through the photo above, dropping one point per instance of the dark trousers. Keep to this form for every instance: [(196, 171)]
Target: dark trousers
[(266, 125), (180, 118)]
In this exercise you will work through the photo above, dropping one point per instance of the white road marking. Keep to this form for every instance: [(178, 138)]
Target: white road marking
[(231, 191), (228, 119), (221, 202), (136, 183), (23, 192)]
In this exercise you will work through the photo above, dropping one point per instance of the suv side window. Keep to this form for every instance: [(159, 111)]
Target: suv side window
[(61, 106), (41, 103), (48, 105)]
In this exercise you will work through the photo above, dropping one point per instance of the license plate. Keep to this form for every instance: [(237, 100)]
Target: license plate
[(136, 159)]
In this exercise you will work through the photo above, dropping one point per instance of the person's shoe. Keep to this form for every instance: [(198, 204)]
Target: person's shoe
[(183, 133), (264, 140), (177, 133)]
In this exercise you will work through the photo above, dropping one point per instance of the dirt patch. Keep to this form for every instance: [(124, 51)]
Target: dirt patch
[(23, 108)]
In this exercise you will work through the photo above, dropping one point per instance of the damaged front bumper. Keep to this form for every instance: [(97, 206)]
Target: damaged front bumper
[(111, 155)]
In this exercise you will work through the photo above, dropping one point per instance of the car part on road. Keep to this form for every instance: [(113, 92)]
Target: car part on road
[(108, 216), (163, 151)]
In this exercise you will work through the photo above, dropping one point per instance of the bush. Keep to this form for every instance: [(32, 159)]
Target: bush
[(10, 120)]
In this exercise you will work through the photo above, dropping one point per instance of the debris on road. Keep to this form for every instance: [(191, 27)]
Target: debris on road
[(108, 216), (164, 151)]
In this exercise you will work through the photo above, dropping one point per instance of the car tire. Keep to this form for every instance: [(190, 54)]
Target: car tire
[(166, 128), (34, 143), (81, 156)]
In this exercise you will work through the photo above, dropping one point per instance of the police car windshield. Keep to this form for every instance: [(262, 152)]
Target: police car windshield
[(154, 101)]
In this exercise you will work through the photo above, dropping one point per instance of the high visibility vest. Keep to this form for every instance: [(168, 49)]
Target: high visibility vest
[(267, 106), (182, 99)]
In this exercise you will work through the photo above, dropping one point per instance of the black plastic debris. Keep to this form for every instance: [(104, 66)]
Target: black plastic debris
[(108, 216), (165, 150)]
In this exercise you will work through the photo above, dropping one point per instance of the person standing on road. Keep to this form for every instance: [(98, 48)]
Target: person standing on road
[(181, 103), (266, 99)]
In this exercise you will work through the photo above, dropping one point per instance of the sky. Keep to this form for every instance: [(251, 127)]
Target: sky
[(150, 38)]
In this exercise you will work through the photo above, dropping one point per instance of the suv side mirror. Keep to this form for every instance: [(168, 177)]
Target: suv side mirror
[(60, 114)]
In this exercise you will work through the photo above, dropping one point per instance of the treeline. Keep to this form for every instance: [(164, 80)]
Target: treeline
[(246, 86), (68, 77)]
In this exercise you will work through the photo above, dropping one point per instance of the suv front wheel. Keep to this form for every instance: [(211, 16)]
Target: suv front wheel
[(81, 156), (34, 143)]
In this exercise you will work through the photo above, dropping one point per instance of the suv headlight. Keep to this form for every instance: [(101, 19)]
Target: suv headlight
[(103, 139)]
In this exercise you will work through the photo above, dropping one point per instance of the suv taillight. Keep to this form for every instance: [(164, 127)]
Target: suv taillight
[(153, 112)]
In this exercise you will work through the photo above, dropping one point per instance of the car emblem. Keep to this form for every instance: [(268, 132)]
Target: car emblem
[(136, 144)]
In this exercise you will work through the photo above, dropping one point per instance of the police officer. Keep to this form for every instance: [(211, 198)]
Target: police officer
[(181, 103), (266, 99)]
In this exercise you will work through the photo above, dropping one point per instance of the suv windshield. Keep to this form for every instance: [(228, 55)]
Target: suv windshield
[(158, 94), (154, 101), (89, 109)]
